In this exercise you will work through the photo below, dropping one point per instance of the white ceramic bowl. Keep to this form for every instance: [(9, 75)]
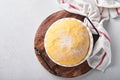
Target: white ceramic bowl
[(90, 47)]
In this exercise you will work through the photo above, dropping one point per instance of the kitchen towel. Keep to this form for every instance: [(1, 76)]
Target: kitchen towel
[(99, 12)]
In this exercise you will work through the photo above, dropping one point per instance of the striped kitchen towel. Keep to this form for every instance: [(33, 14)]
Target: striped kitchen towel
[(99, 12)]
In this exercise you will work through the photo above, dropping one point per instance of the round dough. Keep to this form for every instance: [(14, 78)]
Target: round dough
[(67, 41)]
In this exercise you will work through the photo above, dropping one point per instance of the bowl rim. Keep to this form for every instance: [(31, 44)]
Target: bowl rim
[(90, 45)]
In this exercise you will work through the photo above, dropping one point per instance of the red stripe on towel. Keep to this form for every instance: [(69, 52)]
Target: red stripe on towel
[(101, 33), (104, 35), (102, 11), (101, 60), (118, 13), (62, 1), (72, 6)]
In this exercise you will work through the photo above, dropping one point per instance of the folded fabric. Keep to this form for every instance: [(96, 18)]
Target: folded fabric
[(97, 13), (108, 3)]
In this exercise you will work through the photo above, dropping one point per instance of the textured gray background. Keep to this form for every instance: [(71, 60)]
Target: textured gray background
[(19, 20)]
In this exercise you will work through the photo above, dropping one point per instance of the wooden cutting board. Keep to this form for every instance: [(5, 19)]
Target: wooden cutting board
[(43, 58)]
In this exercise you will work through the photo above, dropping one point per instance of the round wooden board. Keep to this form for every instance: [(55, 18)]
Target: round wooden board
[(47, 63)]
